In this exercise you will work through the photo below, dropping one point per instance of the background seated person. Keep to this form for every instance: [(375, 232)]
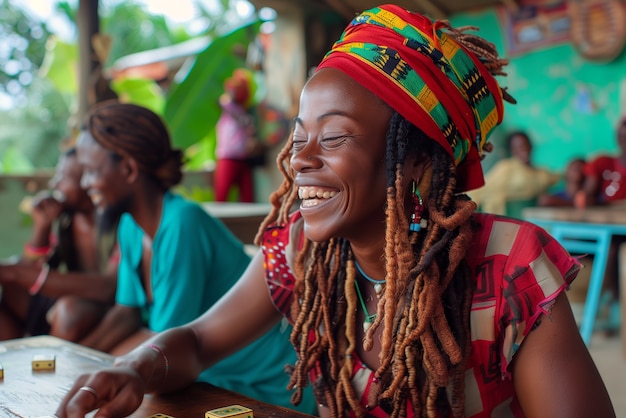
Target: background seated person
[(513, 183), (574, 183), (62, 289), (605, 175), (176, 260), (605, 183)]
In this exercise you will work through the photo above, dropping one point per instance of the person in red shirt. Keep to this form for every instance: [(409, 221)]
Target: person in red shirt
[(605, 175)]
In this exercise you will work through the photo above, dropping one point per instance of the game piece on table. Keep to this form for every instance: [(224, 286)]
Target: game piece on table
[(1, 372), (44, 362), (160, 416), (232, 411)]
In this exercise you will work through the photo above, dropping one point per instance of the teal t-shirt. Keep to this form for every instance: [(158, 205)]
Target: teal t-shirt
[(195, 260)]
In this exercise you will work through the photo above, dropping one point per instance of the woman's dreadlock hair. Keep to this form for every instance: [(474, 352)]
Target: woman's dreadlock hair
[(427, 282), (427, 298)]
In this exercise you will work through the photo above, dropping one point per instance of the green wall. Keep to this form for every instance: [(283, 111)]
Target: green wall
[(547, 85)]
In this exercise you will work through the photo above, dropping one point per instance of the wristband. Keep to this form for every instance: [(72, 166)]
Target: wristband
[(41, 279), (34, 253), (160, 351)]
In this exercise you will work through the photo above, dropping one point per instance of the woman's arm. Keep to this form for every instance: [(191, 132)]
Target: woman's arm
[(554, 373), (244, 314)]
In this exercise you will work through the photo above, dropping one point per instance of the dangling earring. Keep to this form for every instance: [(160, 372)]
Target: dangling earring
[(417, 222)]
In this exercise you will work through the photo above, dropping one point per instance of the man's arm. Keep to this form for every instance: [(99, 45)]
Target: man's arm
[(88, 285), (119, 323)]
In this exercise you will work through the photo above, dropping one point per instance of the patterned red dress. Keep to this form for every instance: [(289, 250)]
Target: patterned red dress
[(519, 271)]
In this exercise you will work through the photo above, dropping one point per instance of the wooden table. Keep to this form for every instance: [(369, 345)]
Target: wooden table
[(588, 231), (243, 219), (24, 393)]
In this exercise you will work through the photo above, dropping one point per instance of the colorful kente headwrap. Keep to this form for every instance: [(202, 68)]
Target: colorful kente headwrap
[(428, 77)]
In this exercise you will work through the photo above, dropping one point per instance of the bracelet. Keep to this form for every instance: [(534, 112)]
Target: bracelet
[(41, 279), (165, 360), (34, 253)]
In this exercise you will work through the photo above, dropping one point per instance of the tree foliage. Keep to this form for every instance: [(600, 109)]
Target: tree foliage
[(22, 49)]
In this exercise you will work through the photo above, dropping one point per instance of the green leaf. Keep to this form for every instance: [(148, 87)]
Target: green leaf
[(14, 161), (192, 109), (60, 65), (141, 91)]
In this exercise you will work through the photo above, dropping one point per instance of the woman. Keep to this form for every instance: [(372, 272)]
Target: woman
[(514, 183), (404, 302)]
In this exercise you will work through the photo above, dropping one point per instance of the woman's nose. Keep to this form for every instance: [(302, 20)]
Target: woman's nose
[(306, 158)]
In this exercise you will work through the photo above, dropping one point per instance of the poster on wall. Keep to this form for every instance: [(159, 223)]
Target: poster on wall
[(534, 24)]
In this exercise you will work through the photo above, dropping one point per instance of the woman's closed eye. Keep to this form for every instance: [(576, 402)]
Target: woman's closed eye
[(334, 141)]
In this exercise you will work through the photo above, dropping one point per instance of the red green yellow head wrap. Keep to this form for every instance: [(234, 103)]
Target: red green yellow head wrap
[(427, 76)]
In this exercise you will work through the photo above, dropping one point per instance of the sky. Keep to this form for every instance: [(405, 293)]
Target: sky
[(177, 11)]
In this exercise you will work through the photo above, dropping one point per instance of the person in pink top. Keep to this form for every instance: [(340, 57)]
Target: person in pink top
[(404, 301), (236, 138)]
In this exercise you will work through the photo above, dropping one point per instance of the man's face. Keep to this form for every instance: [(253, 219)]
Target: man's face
[(102, 176)]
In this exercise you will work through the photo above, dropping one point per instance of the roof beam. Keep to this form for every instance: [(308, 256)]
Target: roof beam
[(431, 9)]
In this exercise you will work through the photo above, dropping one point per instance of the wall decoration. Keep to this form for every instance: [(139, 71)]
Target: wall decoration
[(534, 24), (598, 28)]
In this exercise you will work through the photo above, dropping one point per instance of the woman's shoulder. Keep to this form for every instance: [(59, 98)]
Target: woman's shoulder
[(497, 235)]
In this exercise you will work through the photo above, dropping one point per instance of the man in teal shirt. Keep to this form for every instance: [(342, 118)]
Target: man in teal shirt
[(176, 260)]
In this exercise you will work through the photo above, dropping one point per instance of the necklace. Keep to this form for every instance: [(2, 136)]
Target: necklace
[(369, 319), (378, 284)]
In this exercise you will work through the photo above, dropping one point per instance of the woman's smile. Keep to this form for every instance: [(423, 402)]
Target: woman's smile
[(314, 196)]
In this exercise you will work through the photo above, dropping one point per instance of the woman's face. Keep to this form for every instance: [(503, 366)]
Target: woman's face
[(520, 148), (339, 158)]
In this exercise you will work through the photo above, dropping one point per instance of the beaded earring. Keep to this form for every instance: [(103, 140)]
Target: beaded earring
[(417, 223)]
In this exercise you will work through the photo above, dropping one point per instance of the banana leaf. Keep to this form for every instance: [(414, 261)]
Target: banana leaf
[(192, 107), (141, 91)]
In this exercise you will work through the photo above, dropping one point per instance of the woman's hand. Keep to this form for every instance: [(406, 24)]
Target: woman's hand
[(115, 392)]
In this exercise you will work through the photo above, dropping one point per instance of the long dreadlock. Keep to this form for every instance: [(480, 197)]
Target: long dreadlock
[(426, 283)]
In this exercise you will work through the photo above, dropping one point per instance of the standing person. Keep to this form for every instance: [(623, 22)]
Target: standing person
[(176, 260), (66, 278), (237, 138), (515, 182), (404, 301)]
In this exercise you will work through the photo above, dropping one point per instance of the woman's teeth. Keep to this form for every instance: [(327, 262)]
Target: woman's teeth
[(312, 196), (314, 193)]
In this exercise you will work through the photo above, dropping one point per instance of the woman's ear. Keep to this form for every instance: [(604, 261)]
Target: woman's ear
[(418, 166), (131, 169)]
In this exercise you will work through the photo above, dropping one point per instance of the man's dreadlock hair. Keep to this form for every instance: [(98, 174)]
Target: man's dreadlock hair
[(132, 130), (425, 308)]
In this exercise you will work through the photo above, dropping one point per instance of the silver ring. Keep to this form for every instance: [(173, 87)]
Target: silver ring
[(90, 390)]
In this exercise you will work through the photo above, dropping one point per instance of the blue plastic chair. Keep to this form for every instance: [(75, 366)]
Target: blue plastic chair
[(585, 239)]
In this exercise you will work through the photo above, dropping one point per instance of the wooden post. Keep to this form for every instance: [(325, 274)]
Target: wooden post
[(88, 25)]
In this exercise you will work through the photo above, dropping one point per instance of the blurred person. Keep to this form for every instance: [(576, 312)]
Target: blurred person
[(605, 184), (176, 260), (574, 182), (238, 146), (66, 278), (513, 183), (605, 175)]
